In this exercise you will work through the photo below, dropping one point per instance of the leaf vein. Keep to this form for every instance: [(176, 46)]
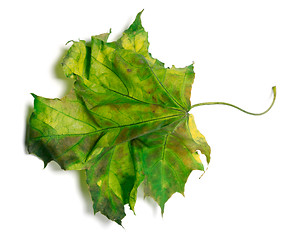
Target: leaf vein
[(112, 72), (101, 130), (79, 120)]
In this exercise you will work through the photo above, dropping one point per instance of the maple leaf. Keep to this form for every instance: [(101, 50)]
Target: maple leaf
[(125, 122), (125, 113)]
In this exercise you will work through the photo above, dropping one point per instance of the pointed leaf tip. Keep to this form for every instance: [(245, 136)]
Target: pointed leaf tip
[(136, 25), (34, 95), (139, 14)]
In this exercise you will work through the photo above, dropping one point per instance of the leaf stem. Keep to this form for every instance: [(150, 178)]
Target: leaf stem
[(231, 105)]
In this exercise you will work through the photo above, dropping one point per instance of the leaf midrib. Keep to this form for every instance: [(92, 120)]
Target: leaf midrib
[(130, 97), (105, 129)]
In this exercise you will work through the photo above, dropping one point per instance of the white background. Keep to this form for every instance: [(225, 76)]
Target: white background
[(240, 49)]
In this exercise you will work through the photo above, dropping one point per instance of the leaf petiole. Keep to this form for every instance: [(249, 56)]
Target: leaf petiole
[(231, 105)]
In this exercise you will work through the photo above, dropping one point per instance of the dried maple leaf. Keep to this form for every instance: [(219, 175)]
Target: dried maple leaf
[(125, 121)]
